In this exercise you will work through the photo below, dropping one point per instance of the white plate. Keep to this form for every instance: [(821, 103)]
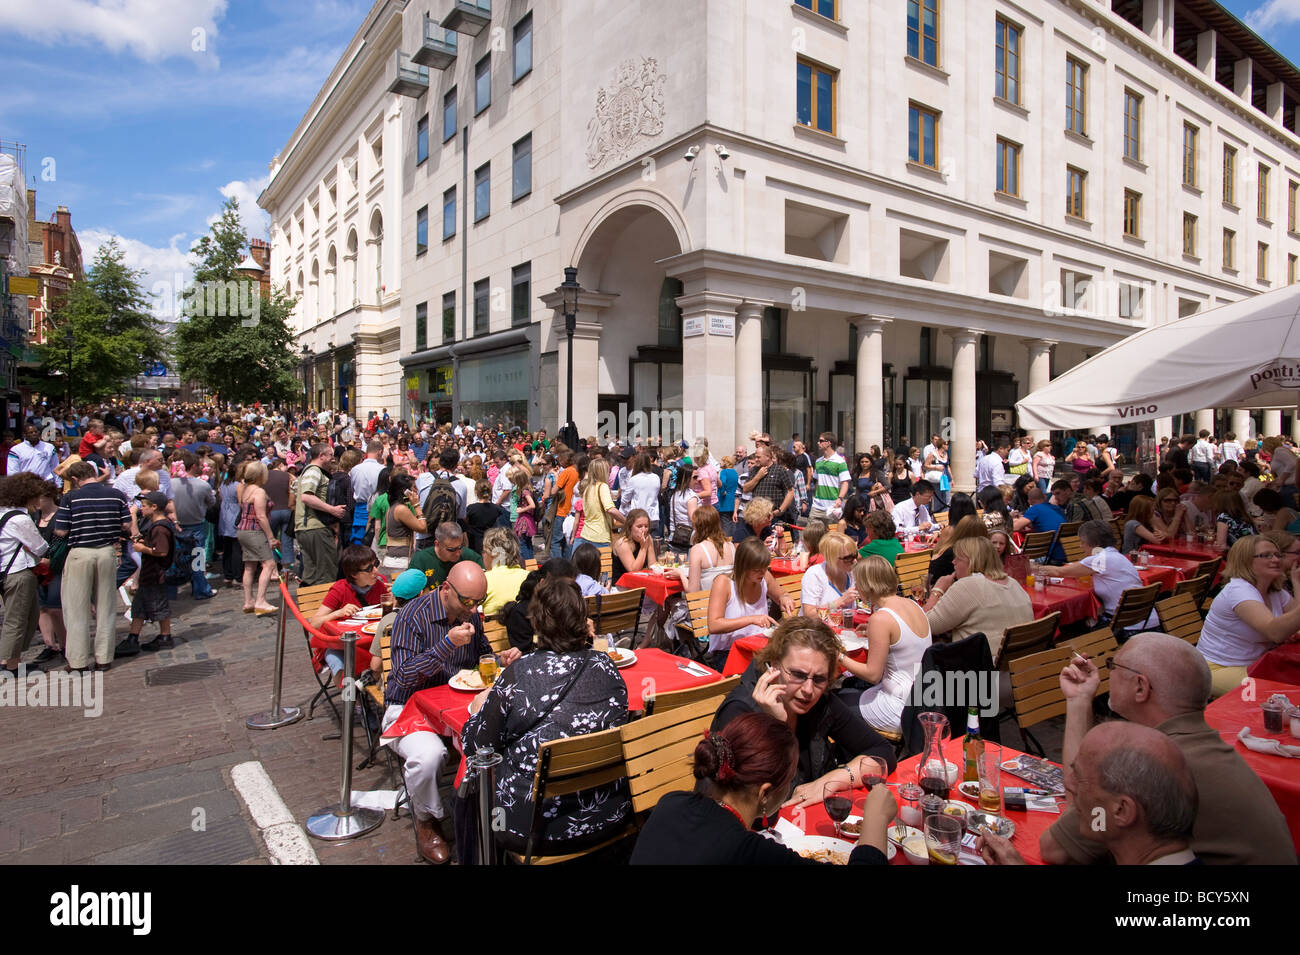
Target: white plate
[(369, 613), (625, 658), (893, 850), (457, 684), (852, 641), (970, 790), (811, 844)]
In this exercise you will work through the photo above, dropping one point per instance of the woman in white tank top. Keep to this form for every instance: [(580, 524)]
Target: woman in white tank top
[(711, 553), (898, 636), (738, 603)]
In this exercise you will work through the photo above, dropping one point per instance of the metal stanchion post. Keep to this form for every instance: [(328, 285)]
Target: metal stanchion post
[(483, 761), (341, 821), (278, 715)]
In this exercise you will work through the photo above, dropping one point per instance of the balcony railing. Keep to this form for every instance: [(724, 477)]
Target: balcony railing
[(468, 17), (438, 49), (411, 80)]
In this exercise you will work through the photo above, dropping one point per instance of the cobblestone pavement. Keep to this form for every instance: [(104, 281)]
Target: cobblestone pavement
[(148, 780)]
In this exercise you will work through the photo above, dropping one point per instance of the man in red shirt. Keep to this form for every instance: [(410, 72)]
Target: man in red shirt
[(564, 487)]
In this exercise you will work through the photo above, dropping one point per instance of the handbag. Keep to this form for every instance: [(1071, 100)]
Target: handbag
[(945, 485), (58, 555)]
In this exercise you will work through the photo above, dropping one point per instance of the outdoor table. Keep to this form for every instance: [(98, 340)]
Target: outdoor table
[(445, 711), (658, 587), (1282, 664), (787, 566), (1074, 601), (1029, 825), (333, 631), (1166, 577), (1230, 712), (1195, 552), (744, 649)]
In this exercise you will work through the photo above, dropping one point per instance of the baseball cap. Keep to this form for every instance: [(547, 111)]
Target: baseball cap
[(409, 584), (156, 498)]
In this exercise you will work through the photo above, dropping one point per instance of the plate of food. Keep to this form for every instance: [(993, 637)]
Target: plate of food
[(824, 849), (371, 628), (369, 613), (469, 681), (620, 657), (852, 826), (970, 790)]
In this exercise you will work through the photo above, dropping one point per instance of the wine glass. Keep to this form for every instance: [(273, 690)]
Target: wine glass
[(838, 805)]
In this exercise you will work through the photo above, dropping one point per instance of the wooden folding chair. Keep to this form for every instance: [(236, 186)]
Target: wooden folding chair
[(662, 702), (495, 631), (1027, 638), (1197, 587), (1133, 609), (530, 564), (697, 641), (1038, 544), (606, 566), (617, 612), (1068, 529), (1180, 617), (568, 766), (659, 751), (912, 570), (1036, 683), (303, 604), (1210, 567), (793, 586), (941, 519), (1074, 549)]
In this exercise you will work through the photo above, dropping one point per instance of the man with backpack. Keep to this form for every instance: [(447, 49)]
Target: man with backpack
[(314, 520), (442, 499), (156, 544)]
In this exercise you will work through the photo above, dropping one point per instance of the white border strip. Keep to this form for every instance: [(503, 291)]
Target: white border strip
[(285, 841)]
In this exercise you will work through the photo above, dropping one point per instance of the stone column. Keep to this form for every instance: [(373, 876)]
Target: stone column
[(1040, 372), (961, 446), (709, 366), (1272, 424), (1240, 424), (1164, 428), (1205, 420), (586, 358), (749, 374), (869, 400)]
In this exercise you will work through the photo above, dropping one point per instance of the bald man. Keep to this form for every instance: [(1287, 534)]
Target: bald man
[(1162, 682), (434, 636), (1132, 791)]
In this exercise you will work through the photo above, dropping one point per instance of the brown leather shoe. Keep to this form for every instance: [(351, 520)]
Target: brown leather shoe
[(434, 848)]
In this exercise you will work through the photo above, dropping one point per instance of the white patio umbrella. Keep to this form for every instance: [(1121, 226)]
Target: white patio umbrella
[(1243, 355)]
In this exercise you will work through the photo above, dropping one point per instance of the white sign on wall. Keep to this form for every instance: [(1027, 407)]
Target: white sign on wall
[(692, 327), (724, 325)]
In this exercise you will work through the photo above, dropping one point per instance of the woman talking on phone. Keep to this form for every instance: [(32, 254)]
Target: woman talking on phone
[(788, 680)]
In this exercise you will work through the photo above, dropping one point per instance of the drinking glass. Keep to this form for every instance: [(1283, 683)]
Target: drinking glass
[(943, 839), (909, 809), (387, 602), (488, 668), (989, 765), (838, 803)]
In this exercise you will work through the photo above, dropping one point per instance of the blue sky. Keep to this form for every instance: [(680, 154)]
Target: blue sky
[(152, 111)]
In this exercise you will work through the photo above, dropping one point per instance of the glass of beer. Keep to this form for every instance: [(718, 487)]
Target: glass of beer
[(387, 602), (989, 765), (488, 668)]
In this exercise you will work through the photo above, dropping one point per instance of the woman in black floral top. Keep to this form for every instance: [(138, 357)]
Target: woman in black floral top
[(562, 689)]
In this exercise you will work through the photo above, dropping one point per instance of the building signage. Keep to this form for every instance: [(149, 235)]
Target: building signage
[(1000, 420), (724, 325), (24, 285), (692, 327)]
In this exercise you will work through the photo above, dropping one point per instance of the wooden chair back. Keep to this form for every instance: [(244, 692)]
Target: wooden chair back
[(573, 765), (1180, 617), (793, 586), (1208, 567), (1134, 607), (658, 750), (495, 631), (384, 639), (1036, 679), (912, 569), (310, 598), (941, 519), (606, 566), (1027, 638), (697, 605), (530, 564), (1068, 529), (1074, 549), (662, 702), (1198, 587), (1037, 544), (616, 612)]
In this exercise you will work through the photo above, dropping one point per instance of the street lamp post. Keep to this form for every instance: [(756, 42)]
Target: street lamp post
[(306, 393), (71, 340), (569, 289)]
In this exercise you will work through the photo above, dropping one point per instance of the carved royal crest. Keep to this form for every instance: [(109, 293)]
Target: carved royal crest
[(627, 111)]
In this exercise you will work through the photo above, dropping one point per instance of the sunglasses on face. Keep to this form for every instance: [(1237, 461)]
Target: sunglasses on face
[(469, 603)]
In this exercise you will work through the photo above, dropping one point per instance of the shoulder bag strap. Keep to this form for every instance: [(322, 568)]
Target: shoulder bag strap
[(564, 691)]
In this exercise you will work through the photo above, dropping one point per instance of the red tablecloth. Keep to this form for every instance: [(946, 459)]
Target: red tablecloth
[(1070, 598), (744, 650), (1282, 663), (1230, 712), (1195, 552), (1029, 825), (1166, 577), (787, 566), (658, 587), (333, 631)]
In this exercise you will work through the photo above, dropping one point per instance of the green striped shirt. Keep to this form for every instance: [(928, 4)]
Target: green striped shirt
[(831, 473)]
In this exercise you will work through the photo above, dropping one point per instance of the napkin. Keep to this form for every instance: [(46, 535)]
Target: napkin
[(693, 668), (1269, 746), (377, 799), (787, 832)]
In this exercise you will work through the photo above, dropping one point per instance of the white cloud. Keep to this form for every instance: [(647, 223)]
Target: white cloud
[(167, 269), (152, 30), (1272, 14), (256, 222)]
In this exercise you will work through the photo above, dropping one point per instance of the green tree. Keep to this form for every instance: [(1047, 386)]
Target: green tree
[(232, 339), (114, 334)]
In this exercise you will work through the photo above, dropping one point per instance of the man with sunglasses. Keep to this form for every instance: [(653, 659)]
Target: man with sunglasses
[(449, 549), (1160, 681), (434, 636)]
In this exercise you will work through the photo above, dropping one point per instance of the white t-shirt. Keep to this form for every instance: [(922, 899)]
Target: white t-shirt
[(641, 490), (1226, 639), (818, 590), (1112, 574)]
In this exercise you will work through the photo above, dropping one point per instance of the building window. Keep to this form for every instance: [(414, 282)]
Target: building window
[(824, 7), (521, 278), (422, 326), (923, 135), (481, 296), (1008, 167), (1076, 96), (422, 231), (816, 96), (449, 115), (923, 31), (1189, 234), (523, 47), (1229, 175), (1074, 192), (1229, 249), (1261, 262), (1291, 269), (1263, 193), (482, 192), (449, 213), (449, 317), (1132, 126), (1292, 194), (483, 84), (1131, 301), (670, 314), (422, 140), (1132, 214), (521, 168), (1006, 62), (1189, 155)]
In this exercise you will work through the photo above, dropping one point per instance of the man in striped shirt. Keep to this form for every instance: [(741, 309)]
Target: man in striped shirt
[(93, 518), (434, 636), (832, 478)]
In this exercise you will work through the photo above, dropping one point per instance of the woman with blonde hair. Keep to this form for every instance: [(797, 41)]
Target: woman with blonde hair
[(1170, 516), (828, 586), (969, 526), (599, 515), (978, 597), (256, 539), (1043, 464), (503, 568), (898, 635)]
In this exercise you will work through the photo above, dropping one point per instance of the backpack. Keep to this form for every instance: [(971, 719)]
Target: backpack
[(442, 505), (339, 494)]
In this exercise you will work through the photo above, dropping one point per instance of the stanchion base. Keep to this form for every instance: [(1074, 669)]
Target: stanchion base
[(268, 721), (329, 825)]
